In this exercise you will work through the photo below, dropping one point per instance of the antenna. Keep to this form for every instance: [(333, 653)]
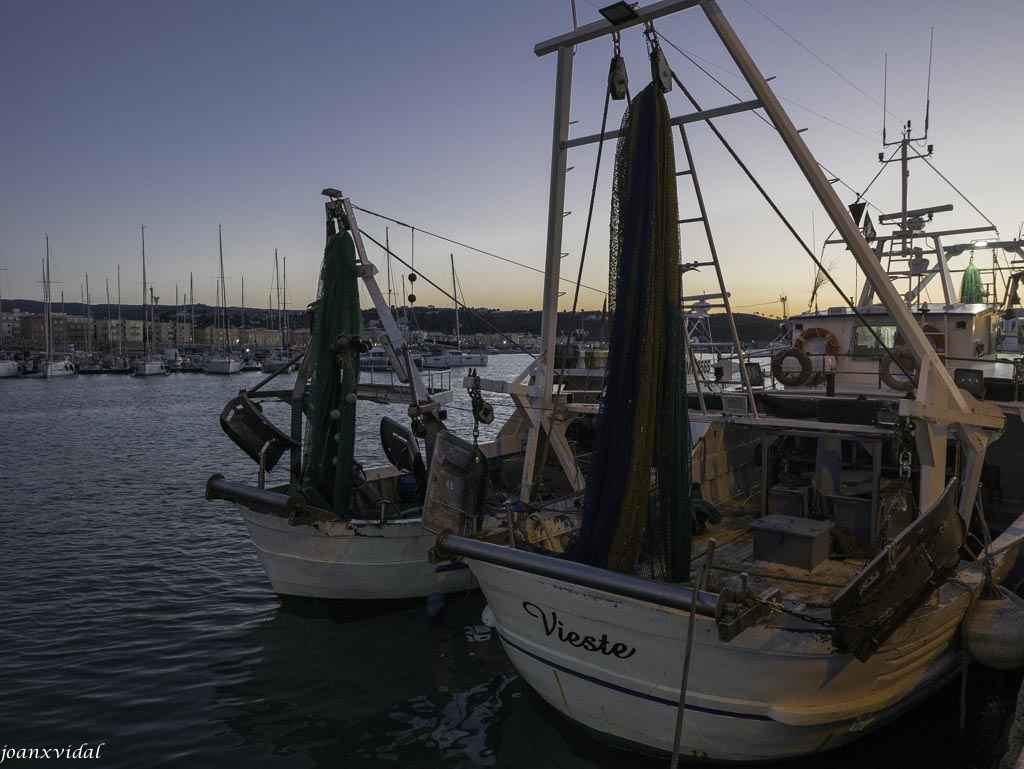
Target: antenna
[(928, 92), (885, 93)]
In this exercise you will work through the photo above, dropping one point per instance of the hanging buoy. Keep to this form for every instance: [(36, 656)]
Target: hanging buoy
[(995, 631)]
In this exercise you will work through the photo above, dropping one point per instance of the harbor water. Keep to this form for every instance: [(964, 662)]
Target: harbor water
[(137, 621)]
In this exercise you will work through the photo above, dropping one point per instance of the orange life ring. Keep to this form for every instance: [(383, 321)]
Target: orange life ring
[(902, 356), (792, 378), (831, 343), (934, 335)]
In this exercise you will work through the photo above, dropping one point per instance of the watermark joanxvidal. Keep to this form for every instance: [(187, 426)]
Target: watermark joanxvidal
[(82, 751)]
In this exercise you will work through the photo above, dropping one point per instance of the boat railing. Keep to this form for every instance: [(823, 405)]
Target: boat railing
[(385, 386)]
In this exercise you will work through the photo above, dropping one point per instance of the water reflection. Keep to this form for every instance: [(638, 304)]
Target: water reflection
[(375, 690)]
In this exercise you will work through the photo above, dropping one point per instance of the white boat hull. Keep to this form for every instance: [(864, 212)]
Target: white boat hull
[(58, 368), (355, 560), (454, 359), (153, 366), (778, 690), (9, 368), (275, 363), (223, 366)]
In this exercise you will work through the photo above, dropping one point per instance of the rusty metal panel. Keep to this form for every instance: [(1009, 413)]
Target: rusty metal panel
[(899, 578), (455, 487)]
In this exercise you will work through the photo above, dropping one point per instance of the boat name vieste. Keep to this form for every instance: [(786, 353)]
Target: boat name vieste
[(553, 625)]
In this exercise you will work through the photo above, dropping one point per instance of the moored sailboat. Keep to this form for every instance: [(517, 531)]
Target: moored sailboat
[(50, 366), (455, 357), (150, 364), (223, 361)]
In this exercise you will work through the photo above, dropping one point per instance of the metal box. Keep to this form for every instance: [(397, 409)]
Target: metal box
[(791, 541)]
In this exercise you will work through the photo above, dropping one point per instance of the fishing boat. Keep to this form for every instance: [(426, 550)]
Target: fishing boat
[(224, 361), (723, 585), (838, 357), (150, 363), (334, 529), (375, 359)]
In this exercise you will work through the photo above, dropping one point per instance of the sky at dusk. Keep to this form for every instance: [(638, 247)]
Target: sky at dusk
[(185, 115)]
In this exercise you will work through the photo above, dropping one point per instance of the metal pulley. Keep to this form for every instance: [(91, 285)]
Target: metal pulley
[(483, 411), (661, 72), (618, 81)]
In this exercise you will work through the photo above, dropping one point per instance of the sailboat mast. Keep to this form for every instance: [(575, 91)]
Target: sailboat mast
[(284, 302), (223, 292), (145, 318), (88, 317), (455, 296), (120, 323), (277, 293), (47, 331), (110, 333)]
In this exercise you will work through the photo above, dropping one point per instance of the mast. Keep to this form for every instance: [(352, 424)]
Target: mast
[(47, 316), (88, 317), (154, 315), (284, 303), (110, 333), (277, 290), (120, 323), (455, 296), (244, 345), (223, 293), (145, 325)]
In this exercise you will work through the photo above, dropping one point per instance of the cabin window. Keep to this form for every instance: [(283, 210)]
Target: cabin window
[(865, 344)]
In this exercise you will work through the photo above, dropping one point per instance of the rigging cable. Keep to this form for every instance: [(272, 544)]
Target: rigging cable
[(692, 59), (466, 246), (436, 287)]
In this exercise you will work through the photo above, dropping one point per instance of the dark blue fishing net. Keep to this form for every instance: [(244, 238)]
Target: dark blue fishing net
[(637, 491)]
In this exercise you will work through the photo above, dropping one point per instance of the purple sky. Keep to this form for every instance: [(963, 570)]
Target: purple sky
[(184, 115)]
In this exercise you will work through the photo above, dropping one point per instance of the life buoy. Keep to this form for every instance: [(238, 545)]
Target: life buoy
[(935, 337), (902, 356), (792, 378), (831, 343)]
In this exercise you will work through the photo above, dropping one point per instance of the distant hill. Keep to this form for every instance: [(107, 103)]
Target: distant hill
[(441, 320)]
